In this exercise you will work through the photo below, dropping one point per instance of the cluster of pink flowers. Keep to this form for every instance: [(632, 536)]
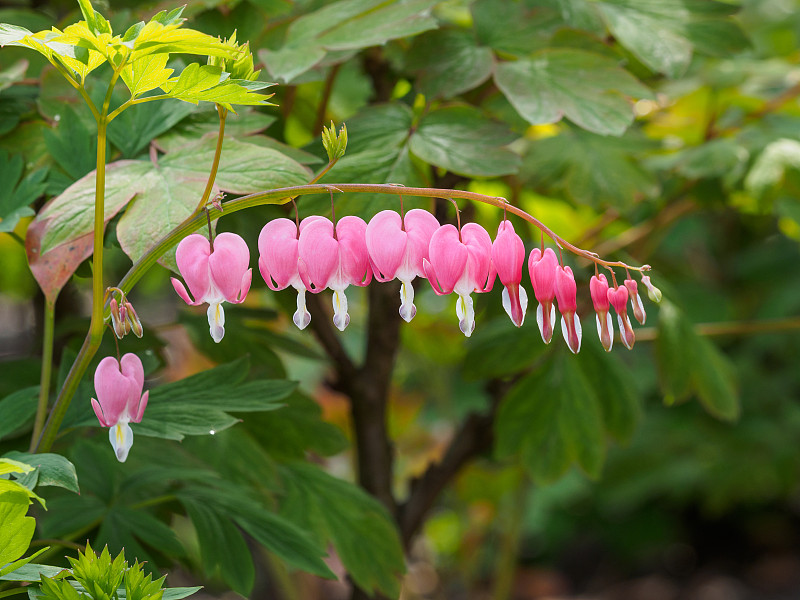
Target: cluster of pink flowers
[(317, 255)]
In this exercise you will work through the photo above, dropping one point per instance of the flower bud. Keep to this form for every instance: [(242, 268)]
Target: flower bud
[(652, 291), (117, 319), (132, 320)]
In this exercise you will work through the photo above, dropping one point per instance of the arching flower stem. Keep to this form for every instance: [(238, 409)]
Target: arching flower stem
[(278, 196)]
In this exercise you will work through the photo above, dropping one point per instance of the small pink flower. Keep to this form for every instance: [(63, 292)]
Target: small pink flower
[(618, 297), (566, 294), (335, 262), (461, 265), (278, 263), (542, 269), (598, 286), (119, 399), (214, 277), (397, 246), (636, 300), (508, 255)]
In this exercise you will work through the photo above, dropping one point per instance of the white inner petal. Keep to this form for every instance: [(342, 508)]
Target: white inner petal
[(340, 317), (216, 321), (301, 316), (407, 308), (121, 438), (466, 314)]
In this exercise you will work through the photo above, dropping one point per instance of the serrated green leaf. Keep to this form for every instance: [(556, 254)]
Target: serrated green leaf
[(134, 129), (592, 169), (460, 139), (222, 547), (543, 89), (147, 73), (208, 83), (552, 417), (359, 527)]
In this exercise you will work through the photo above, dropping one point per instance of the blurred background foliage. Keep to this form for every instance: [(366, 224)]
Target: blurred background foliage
[(680, 148)]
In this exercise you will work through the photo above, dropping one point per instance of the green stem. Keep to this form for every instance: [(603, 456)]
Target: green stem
[(212, 176), (47, 370), (96, 326)]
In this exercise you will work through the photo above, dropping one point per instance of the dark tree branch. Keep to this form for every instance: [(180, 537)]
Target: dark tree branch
[(369, 406), (474, 437)]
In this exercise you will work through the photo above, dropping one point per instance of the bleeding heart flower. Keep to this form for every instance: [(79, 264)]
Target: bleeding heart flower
[(119, 399), (567, 296), (397, 246), (461, 264), (598, 286), (214, 277), (618, 297), (278, 263), (508, 255), (542, 269), (334, 261), (636, 301)]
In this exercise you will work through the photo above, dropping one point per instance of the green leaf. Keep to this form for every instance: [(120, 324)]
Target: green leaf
[(296, 429), (345, 25), (208, 83), (16, 529), (17, 193), (71, 145), (70, 215), (448, 62), (715, 380), (31, 572), (514, 27), (357, 525), (166, 195), (13, 74), (17, 409), (222, 547), (147, 73), (592, 169), (543, 89), (771, 166), (674, 352), (12, 567), (201, 122), (460, 139), (50, 470), (552, 417), (498, 349), (690, 362), (10, 466), (614, 389), (274, 532), (133, 129), (661, 32)]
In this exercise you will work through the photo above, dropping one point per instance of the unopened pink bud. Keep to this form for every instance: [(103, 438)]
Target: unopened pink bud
[(618, 297), (133, 321), (117, 319), (598, 286), (636, 301)]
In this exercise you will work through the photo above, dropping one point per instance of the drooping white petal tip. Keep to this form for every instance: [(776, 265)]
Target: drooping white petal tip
[(121, 438), (466, 314), (407, 309), (340, 317), (216, 321), (301, 316)]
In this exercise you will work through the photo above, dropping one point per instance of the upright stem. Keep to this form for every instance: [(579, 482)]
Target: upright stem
[(47, 370), (212, 176)]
